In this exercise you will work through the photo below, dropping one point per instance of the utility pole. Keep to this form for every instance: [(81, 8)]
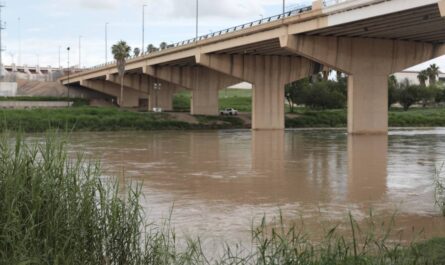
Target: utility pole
[(106, 42), (284, 8), (59, 56), (19, 61), (69, 70), (1, 43), (143, 28), (80, 52), (197, 19)]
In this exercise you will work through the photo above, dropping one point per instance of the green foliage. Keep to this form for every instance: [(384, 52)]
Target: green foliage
[(240, 99), (393, 92), (323, 94), (409, 95), (439, 183)]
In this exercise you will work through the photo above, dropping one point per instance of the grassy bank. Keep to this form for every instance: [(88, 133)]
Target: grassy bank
[(57, 210), (104, 119), (240, 99), (419, 117)]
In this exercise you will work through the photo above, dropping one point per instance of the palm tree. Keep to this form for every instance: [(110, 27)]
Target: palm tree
[(137, 52), (423, 77), (121, 52), (151, 48), (433, 73), (163, 45)]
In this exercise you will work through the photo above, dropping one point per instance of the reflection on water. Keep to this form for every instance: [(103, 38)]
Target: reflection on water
[(219, 181)]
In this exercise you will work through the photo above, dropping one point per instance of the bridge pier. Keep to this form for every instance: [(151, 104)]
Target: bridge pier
[(203, 82), (368, 62), (131, 97), (269, 75), (162, 98)]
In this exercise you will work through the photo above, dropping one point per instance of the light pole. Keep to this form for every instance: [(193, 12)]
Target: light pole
[(106, 42), (19, 61), (59, 56), (143, 28), (69, 70), (197, 19), (157, 87), (284, 7), (80, 51)]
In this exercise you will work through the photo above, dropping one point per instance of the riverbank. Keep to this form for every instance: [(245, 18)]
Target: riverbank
[(72, 215), (114, 119)]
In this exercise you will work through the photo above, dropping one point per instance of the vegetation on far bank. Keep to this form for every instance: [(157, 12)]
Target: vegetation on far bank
[(104, 119), (76, 101), (58, 209)]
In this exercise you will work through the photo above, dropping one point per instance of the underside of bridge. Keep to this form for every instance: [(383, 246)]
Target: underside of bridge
[(367, 42)]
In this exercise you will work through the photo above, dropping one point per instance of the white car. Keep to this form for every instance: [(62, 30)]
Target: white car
[(229, 112)]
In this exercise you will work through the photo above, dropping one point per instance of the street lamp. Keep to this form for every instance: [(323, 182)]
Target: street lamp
[(284, 9), (143, 28), (197, 19), (157, 87), (80, 52), (106, 42), (69, 70)]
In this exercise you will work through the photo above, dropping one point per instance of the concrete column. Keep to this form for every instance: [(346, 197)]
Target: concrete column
[(204, 83), (162, 98), (205, 95), (368, 62), (367, 103), (269, 75)]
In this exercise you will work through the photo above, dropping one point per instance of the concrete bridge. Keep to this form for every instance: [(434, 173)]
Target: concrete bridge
[(366, 39)]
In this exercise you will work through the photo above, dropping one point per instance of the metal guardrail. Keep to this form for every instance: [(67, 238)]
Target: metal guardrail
[(218, 33), (262, 21)]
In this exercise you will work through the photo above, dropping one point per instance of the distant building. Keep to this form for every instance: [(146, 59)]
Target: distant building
[(412, 77)]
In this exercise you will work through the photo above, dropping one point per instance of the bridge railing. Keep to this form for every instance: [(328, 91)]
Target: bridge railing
[(262, 21), (333, 2)]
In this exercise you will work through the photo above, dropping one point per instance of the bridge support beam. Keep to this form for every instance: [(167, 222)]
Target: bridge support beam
[(269, 75), (442, 7), (203, 82), (131, 97), (368, 62), (162, 98)]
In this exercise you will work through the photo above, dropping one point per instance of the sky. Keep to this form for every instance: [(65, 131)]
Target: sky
[(37, 29)]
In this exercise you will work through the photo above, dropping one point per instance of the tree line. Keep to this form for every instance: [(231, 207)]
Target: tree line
[(319, 92)]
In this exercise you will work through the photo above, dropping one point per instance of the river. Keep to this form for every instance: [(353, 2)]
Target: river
[(219, 182)]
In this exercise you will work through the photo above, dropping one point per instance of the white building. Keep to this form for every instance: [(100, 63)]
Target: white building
[(412, 77)]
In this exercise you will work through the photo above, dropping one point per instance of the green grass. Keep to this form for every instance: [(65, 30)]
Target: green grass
[(57, 209), (240, 99), (101, 119), (428, 117)]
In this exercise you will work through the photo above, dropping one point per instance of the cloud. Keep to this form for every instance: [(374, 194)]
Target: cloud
[(87, 4)]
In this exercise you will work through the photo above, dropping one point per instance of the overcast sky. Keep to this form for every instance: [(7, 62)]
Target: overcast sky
[(46, 25)]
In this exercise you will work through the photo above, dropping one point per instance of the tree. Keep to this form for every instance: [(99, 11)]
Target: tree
[(121, 51), (163, 45), (137, 51), (295, 92), (423, 77), (409, 95), (393, 96), (433, 73), (151, 48)]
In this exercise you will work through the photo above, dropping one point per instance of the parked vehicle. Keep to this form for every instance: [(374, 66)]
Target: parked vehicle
[(229, 112)]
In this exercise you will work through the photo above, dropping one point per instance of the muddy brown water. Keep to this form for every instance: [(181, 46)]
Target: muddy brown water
[(221, 181)]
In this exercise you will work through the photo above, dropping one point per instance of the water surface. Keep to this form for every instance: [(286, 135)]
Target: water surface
[(219, 181)]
